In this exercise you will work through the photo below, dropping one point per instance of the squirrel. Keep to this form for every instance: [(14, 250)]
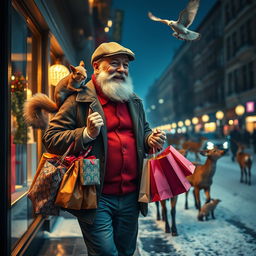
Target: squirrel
[(35, 107)]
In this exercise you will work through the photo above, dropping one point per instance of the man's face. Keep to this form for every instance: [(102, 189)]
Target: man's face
[(112, 75), (116, 66)]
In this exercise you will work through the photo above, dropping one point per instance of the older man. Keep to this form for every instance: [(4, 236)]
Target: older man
[(110, 117)]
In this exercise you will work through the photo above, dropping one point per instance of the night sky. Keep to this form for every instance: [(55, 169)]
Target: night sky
[(152, 41)]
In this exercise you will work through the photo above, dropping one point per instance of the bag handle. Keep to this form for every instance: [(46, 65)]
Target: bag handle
[(61, 160), (87, 151)]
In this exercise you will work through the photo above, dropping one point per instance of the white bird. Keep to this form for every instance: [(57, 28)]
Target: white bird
[(186, 18)]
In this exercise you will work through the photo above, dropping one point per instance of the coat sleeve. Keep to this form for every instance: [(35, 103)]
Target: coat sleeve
[(147, 130), (63, 130)]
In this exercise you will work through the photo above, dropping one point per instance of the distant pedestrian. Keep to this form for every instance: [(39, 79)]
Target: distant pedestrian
[(235, 139), (254, 139), (245, 137)]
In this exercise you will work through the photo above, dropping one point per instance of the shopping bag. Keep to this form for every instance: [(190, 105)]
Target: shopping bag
[(44, 187), (89, 197), (160, 189), (185, 165), (46, 182), (144, 194), (89, 171), (72, 194), (174, 174)]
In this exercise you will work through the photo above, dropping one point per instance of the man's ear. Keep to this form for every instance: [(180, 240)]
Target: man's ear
[(96, 67), (73, 69)]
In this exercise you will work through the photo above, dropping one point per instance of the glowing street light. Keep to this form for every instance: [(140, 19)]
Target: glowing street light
[(205, 118), (180, 124), (230, 122), (195, 120), (187, 122), (219, 115), (161, 101), (110, 23), (239, 110)]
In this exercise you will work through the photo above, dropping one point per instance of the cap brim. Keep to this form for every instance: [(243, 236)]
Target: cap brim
[(129, 55)]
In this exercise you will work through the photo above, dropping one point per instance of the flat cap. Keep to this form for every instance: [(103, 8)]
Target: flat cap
[(110, 49)]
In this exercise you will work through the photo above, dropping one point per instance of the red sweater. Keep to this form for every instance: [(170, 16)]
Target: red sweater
[(121, 166)]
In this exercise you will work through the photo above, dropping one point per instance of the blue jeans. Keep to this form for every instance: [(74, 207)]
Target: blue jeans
[(115, 228)]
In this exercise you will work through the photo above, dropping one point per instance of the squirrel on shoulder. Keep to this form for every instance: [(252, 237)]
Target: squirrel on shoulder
[(36, 108)]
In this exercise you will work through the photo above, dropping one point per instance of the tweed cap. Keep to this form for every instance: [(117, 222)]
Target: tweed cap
[(110, 49)]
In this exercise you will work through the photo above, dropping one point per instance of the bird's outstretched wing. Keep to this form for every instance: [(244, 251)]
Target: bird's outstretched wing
[(188, 15), (152, 17), (190, 36)]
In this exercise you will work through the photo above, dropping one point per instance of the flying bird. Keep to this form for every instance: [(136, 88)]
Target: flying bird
[(186, 18)]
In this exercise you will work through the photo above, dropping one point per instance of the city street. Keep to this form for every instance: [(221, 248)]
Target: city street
[(233, 232)]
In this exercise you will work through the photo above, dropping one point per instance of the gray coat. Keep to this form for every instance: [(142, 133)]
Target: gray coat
[(68, 125)]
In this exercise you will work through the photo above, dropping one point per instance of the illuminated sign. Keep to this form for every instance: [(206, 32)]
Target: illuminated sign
[(250, 106)]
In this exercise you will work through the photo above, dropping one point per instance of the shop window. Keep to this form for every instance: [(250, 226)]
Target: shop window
[(244, 74), (242, 35), (230, 83), (23, 139), (251, 83), (249, 31), (228, 48), (234, 41)]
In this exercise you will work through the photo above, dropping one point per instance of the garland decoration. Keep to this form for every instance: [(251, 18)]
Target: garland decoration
[(18, 97)]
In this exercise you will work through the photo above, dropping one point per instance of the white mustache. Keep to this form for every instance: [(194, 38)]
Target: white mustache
[(117, 75)]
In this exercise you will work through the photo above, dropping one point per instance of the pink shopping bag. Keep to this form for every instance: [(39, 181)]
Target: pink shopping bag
[(185, 165), (174, 174), (159, 187)]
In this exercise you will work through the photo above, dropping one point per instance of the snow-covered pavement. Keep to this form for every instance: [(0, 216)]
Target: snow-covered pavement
[(232, 233)]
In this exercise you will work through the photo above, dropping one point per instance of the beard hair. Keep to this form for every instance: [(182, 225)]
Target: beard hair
[(115, 91)]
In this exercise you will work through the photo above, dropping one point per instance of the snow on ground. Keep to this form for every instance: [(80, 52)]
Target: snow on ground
[(232, 233)]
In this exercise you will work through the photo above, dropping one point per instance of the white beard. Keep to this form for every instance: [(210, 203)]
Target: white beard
[(115, 91)]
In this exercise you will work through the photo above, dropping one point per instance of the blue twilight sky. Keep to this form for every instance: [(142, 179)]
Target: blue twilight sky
[(151, 41)]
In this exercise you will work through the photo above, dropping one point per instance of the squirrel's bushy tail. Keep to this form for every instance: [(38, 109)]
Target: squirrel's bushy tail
[(36, 110)]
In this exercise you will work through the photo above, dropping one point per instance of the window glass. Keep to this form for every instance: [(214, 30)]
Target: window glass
[(23, 143)]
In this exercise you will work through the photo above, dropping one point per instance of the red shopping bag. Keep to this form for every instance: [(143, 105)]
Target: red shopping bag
[(185, 165), (159, 187), (174, 174)]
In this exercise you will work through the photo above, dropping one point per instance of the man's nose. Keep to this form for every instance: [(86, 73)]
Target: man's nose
[(121, 68)]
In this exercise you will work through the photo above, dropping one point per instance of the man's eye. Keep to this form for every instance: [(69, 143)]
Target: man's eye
[(114, 63), (126, 66)]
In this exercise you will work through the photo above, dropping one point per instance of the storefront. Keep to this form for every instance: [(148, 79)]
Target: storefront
[(32, 43)]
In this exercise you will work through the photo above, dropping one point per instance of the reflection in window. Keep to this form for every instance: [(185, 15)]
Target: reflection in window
[(23, 144)]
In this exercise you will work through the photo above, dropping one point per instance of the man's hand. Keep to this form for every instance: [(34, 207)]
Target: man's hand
[(93, 124), (156, 139)]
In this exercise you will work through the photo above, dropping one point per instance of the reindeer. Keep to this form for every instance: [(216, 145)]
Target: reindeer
[(174, 199), (245, 162), (194, 146), (175, 139), (202, 176)]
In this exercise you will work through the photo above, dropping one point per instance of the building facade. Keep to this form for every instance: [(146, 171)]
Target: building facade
[(240, 59), (215, 73)]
